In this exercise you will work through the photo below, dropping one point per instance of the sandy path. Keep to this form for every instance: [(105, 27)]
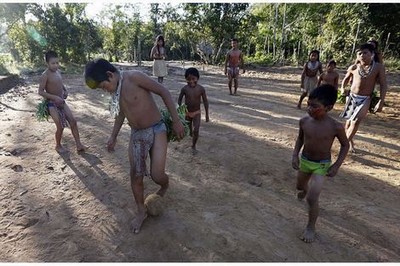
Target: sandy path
[(233, 201)]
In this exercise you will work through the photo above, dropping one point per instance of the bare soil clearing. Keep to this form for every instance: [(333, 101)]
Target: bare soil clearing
[(233, 201)]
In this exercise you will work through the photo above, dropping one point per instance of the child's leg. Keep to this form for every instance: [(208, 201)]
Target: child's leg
[(302, 184), (236, 84), (302, 96), (74, 128), (315, 187), (59, 131), (196, 129), (230, 77), (138, 192), (158, 155), (354, 125)]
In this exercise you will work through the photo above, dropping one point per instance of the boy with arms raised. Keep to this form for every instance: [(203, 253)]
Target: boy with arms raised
[(193, 94), (317, 131), (364, 74), (52, 88), (132, 99)]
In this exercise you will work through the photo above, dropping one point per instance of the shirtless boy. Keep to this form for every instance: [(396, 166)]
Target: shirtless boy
[(52, 88), (364, 75), (193, 94), (330, 76), (233, 63), (317, 131), (132, 99)]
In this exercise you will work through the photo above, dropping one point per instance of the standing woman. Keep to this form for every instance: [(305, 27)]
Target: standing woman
[(158, 55)]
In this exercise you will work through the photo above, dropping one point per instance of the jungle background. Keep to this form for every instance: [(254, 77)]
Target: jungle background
[(269, 33)]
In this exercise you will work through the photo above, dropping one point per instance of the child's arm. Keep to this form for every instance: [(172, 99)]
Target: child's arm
[(119, 120), (242, 61), (297, 146), (346, 79), (320, 79), (181, 96), (65, 92), (344, 148), (383, 88), (42, 92), (336, 81), (205, 102), (303, 75), (226, 63)]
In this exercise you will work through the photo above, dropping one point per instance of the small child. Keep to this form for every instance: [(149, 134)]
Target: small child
[(330, 76), (309, 78), (317, 132), (193, 94), (52, 88)]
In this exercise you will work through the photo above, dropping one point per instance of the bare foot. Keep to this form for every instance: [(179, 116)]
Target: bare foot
[(81, 148), (194, 151), (352, 149), (308, 235), (61, 149), (301, 195), (137, 222)]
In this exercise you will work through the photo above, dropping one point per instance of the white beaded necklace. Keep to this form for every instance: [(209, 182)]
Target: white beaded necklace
[(114, 101), (365, 74)]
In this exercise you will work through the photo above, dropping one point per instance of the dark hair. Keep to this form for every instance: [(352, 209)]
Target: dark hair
[(326, 94), (314, 52), (234, 40), (160, 38), (368, 46), (50, 54), (192, 71), (332, 62), (374, 43), (96, 72)]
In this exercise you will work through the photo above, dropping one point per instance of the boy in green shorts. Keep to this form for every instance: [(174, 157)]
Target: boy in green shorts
[(317, 131)]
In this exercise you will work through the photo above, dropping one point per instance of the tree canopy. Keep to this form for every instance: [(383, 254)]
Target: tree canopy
[(268, 33)]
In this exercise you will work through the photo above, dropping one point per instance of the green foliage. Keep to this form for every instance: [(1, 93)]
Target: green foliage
[(42, 111), (267, 32), (260, 59), (166, 117), (341, 98)]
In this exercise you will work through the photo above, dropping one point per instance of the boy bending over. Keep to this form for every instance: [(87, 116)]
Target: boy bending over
[(132, 99)]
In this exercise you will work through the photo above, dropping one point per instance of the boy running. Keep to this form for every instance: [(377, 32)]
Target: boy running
[(317, 131), (364, 74), (193, 94)]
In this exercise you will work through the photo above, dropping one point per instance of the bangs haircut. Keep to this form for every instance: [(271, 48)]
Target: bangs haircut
[(49, 55), (96, 72), (192, 71), (325, 94), (368, 46)]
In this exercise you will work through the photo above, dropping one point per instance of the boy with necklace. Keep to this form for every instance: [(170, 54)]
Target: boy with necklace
[(364, 74)]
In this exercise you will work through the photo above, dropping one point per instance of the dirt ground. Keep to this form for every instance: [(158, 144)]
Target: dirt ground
[(232, 202)]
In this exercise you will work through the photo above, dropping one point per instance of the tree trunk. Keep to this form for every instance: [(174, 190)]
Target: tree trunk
[(355, 38)]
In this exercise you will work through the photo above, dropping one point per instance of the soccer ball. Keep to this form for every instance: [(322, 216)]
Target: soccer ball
[(154, 204)]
